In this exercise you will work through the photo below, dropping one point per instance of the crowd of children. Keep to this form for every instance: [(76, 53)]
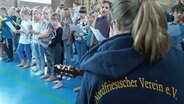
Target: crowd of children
[(43, 35)]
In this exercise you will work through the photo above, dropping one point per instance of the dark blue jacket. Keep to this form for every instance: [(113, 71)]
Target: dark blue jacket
[(6, 32), (116, 74)]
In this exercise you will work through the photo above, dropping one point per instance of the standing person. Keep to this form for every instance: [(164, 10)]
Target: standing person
[(80, 38), (176, 28), (61, 11), (76, 14), (55, 44), (102, 21), (1, 39), (17, 26), (39, 54), (11, 13), (25, 39), (7, 34), (45, 37), (67, 37), (137, 65)]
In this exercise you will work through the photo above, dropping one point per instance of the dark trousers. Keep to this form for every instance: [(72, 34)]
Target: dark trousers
[(8, 47), (182, 45), (57, 52)]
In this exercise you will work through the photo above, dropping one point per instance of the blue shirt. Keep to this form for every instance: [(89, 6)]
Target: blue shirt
[(6, 32), (66, 30), (176, 32)]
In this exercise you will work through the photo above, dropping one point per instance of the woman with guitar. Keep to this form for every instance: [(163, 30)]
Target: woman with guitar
[(137, 65)]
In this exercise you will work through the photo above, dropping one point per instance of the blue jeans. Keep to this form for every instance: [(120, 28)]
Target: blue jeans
[(67, 52), (39, 55), (81, 48), (24, 47)]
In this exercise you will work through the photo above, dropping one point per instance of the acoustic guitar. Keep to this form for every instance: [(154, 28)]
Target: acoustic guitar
[(69, 71)]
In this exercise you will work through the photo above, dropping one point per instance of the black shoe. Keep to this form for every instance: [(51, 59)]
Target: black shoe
[(9, 60)]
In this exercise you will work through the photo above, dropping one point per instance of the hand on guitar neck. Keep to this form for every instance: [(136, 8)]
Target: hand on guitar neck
[(68, 70)]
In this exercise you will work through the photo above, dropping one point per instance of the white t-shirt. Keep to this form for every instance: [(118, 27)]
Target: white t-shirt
[(37, 29), (25, 37)]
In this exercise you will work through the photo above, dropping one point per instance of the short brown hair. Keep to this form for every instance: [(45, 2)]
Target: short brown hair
[(83, 10), (3, 9), (108, 2)]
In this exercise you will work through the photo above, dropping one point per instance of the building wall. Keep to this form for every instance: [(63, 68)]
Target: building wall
[(15, 3), (31, 5), (55, 4), (166, 4), (7, 3)]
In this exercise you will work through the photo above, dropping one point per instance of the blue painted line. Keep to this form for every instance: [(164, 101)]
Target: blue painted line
[(32, 86)]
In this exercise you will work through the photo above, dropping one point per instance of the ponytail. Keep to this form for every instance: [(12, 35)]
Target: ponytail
[(148, 24), (149, 30)]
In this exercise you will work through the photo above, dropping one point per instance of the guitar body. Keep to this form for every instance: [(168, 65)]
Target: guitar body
[(69, 71)]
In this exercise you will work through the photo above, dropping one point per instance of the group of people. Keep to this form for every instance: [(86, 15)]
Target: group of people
[(41, 35), (138, 62)]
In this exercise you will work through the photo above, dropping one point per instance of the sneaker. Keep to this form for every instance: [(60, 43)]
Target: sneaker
[(45, 76), (50, 79), (64, 77), (35, 70), (56, 81), (1, 58), (77, 89), (68, 78), (58, 85), (33, 63), (39, 73), (9, 60)]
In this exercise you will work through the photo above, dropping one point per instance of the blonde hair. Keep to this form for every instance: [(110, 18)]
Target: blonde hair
[(67, 17), (56, 17), (25, 10), (36, 10), (47, 9), (67, 13), (11, 11), (148, 24)]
